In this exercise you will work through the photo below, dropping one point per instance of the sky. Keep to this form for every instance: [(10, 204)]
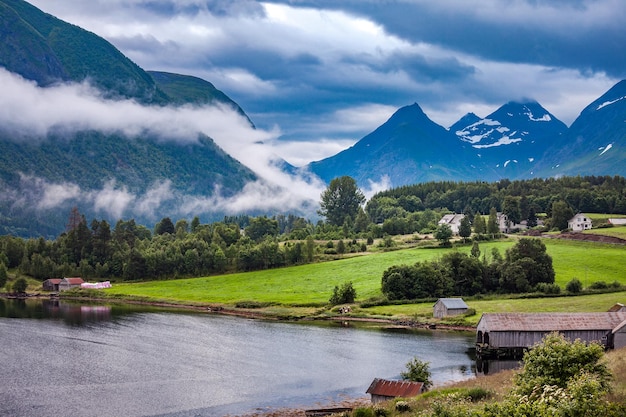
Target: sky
[(315, 76), (321, 74)]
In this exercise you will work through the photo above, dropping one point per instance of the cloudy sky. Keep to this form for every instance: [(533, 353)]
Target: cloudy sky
[(323, 73)]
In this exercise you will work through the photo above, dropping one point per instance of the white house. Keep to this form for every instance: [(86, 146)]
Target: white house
[(617, 222), (452, 220), (505, 226), (579, 222)]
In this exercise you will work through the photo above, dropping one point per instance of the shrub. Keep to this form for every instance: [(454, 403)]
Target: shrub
[(20, 285), (418, 371), (363, 412), (599, 285), (403, 406), (345, 294), (546, 288), (574, 286)]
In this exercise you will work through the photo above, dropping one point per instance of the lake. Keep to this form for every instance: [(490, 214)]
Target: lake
[(62, 359)]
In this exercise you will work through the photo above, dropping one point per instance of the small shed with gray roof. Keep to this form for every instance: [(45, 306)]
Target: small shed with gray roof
[(510, 334), (449, 307)]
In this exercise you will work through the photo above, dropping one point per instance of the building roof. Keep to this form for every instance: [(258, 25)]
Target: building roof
[(73, 281), (451, 218), (53, 280), (618, 307), (388, 388), (547, 322), (453, 303), (619, 327)]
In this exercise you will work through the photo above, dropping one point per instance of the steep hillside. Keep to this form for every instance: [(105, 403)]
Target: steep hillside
[(83, 162), (595, 143), (408, 148)]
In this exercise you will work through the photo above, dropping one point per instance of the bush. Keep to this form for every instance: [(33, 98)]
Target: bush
[(403, 406), (599, 285), (344, 295), (363, 412), (418, 371), (20, 285), (546, 288), (574, 286)]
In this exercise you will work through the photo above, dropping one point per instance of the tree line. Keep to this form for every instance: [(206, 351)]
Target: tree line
[(526, 266)]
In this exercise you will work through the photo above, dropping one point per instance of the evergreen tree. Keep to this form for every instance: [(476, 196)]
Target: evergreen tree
[(492, 223), (480, 227), (465, 228)]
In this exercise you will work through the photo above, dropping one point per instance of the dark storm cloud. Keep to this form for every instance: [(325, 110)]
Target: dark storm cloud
[(314, 68)]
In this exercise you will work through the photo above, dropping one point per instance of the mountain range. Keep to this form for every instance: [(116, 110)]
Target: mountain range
[(84, 166)]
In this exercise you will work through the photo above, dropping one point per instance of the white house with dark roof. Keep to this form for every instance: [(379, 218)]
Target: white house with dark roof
[(579, 222), (452, 220)]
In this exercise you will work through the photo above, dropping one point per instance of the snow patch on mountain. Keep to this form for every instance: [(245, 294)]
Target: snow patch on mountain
[(605, 148), (504, 140), (608, 103), (545, 118)]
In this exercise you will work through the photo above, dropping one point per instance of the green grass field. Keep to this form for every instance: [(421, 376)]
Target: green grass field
[(618, 231), (312, 284)]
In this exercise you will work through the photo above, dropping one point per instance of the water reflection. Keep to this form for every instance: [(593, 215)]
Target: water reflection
[(151, 362)]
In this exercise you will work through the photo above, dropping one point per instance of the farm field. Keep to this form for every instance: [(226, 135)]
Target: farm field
[(619, 231), (312, 284)]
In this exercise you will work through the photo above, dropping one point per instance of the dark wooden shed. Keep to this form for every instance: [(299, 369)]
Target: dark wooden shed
[(449, 307), (509, 334), (384, 390), (51, 284), (68, 283)]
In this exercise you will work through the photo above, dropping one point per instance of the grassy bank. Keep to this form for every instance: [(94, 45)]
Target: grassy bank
[(305, 290)]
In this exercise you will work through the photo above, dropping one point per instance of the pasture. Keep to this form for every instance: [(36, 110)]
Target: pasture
[(312, 284)]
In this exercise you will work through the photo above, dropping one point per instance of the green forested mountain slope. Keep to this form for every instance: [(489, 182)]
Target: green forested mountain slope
[(41, 48)]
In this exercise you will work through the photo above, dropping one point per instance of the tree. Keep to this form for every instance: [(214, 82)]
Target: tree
[(475, 250), (443, 234), (342, 198), (532, 217), (260, 227), (20, 285), (164, 226), (529, 259), (345, 294), (465, 228), (511, 207), (3, 275), (418, 371), (362, 222), (480, 227), (492, 223), (561, 213), (557, 360), (574, 286)]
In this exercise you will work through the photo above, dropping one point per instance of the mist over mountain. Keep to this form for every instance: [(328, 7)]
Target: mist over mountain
[(82, 125)]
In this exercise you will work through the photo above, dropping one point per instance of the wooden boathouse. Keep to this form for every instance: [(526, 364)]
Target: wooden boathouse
[(510, 334)]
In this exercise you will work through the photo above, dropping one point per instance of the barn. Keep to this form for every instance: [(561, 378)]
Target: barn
[(69, 283), (51, 284), (384, 390), (449, 307), (510, 334)]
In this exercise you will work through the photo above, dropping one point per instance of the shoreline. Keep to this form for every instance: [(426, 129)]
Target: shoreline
[(247, 313)]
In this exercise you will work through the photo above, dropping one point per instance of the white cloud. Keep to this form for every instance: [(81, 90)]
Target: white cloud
[(73, 107)]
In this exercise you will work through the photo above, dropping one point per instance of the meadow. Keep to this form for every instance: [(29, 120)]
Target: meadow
[(310, 286)]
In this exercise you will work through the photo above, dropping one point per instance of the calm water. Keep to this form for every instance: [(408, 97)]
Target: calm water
[(72, 360)]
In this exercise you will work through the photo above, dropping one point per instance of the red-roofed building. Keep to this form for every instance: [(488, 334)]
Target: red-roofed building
[(51, 284), (384, 390), (69, 283)]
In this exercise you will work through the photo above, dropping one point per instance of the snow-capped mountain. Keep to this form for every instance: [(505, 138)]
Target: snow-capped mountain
[(595, 144), (407, 149), (511, 139)]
